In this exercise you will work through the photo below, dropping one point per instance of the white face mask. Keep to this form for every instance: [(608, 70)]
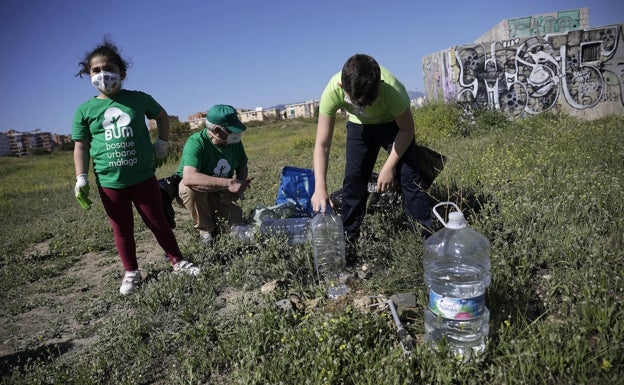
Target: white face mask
[(359, 109), (234, 138), (218, 133), (106, 82)]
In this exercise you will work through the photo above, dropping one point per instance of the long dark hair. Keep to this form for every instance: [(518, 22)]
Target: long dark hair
[(108, 49)]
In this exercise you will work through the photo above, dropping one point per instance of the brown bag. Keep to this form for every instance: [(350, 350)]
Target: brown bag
[(430, 163)]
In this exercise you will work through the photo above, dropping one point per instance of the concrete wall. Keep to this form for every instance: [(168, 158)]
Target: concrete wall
[(544, 24), (579, 72)]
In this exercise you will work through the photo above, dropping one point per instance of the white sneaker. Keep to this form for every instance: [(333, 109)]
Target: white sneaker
[(186, 267), (130, 282)]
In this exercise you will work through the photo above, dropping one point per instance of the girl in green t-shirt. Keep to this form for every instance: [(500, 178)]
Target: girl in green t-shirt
[(110, 129)]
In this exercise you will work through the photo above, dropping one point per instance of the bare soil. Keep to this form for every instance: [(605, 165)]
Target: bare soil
[(48, 324)]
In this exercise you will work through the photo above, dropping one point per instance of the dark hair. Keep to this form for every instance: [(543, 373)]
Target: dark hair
[(108, 49), (360, 78)]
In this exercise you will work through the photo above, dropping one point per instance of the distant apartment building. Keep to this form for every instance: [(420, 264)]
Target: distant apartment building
[(24, 143), (61, 139), (417, 102), (259, 114), (4, 144), (307, 109), (151, 124), (197, 120)]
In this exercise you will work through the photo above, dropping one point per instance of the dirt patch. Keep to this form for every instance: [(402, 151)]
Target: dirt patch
[(50, 322)]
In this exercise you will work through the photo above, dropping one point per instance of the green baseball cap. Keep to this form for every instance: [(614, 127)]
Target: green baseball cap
[(225, 116)]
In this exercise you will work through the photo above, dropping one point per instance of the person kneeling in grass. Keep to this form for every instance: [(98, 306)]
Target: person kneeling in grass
[(214, 172)]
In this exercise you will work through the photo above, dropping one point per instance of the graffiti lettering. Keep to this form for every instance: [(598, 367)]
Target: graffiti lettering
[(611, 97), (532, 75), (543, 25), (510, 43)]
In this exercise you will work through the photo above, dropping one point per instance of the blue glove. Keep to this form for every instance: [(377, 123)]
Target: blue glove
[(82, 191), (160, 152)]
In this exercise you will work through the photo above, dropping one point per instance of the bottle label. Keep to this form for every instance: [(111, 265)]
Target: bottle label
[(460, 309)]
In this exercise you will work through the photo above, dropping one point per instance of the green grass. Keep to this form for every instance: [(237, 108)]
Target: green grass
[(545, 190)]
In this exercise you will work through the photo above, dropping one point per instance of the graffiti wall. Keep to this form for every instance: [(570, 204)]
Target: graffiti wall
[(544, 24), (580, 72)]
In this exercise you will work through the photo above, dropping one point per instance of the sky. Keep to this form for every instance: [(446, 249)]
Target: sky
[(192, 54)]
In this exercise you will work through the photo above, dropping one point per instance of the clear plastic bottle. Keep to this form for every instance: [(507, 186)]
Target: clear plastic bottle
[(328, 249), (243, 232), (457, 272), (296, 229)]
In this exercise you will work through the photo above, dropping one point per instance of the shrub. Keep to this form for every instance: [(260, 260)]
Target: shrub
[(436, 121)]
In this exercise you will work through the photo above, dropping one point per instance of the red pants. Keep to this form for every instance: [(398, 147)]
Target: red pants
[(146, 198)]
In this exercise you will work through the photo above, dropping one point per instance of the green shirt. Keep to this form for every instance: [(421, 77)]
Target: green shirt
[(199, 152), (121, 147), (391, 102)]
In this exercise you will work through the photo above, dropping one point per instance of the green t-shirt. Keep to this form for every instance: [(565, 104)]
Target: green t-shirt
[(121, 147), (391, 102), (199, 152)]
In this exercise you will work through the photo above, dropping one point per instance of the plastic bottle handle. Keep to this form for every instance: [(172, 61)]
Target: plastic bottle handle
[(444, 204)]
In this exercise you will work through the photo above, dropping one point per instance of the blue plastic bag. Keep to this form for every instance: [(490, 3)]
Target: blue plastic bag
[(297, 186)]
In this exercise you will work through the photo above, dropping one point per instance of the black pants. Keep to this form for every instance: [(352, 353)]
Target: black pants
[(363, 145)]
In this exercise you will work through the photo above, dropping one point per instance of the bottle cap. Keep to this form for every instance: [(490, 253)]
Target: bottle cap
[(456, 220)]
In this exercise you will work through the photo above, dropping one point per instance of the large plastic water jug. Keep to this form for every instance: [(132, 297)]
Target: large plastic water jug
[(457, 272)]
